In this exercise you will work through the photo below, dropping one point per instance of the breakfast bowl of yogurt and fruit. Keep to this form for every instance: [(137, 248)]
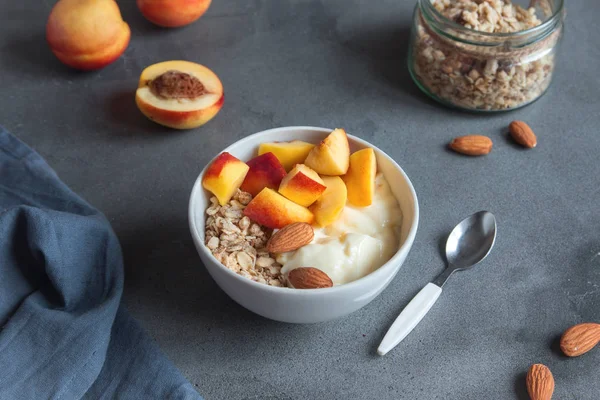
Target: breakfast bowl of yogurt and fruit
[(303, 224)]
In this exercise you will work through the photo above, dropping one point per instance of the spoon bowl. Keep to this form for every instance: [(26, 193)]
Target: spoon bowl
[(471, 240)]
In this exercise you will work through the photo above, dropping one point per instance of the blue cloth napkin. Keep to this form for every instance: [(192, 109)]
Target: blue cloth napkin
[(63, 334)]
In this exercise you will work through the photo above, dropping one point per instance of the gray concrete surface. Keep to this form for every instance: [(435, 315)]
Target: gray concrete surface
[(334, 63)]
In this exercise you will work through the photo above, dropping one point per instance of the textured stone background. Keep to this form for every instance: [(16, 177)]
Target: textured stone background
[(333, 63)]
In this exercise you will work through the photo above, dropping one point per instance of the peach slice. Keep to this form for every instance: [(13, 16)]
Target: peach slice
[(272, 210), (360, 178), (265, 171), (224, 176), (179, 94), (173, 13), (329, 206), (302, 185), (87, 34), (331, 156), (288, 153)]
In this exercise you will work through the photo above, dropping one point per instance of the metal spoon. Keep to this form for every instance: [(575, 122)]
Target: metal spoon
[(469, 243)]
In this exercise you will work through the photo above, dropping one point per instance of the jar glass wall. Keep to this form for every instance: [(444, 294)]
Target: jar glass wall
[(464, 53)]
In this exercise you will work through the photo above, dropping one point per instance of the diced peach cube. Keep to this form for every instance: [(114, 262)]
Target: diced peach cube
[(330, 205), (265, 171), (360, 179), (272, 210), (330, 157), (302, 185), (224, 176), (288, 153)]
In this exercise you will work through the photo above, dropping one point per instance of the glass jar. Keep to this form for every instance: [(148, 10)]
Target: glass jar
[(477, 70)]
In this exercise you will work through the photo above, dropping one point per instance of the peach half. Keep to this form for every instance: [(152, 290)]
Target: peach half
[(265, 171), (272, 210), (360, 179), (302, 185), (288, 153), (224, 176), (329, 206), (179, 94), (87, 34), (331, 156), (173, 13)]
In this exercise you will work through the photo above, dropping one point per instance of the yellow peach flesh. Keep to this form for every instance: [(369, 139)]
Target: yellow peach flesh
[(224, 176), (331, 156), (288, 153), (360, 179), (272, 210), (330, 205)]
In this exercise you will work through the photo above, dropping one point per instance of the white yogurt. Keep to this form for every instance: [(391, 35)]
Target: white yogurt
[(359, 242)]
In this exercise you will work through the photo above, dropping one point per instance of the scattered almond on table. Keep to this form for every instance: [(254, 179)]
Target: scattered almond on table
[(575, 341), (472, 145), (580, 339), (479, 145), (540, 382), (522, 134)]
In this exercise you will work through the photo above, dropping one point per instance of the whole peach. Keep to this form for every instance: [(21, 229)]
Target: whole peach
[(87, 34), (173, 13)]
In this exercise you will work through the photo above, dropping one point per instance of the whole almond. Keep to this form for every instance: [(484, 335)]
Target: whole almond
[(309, 278), (291, 237), (580, 339), (522, 134), (540, 382), (472, 145)]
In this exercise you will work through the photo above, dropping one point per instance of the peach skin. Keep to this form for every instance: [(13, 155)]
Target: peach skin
[(329, 206), (87, 34), (288, 153), (331, 156), (224, 176), (272, 210), (265, 171), (173, 13), (302, 185), (360, 179), (179, 94)]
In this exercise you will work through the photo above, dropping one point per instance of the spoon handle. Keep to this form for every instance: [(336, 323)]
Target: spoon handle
[(412, 314)]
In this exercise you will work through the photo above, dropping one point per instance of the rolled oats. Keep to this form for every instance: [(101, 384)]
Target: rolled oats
[(264, 262), (212, 243), (239, 244), (461, 69)]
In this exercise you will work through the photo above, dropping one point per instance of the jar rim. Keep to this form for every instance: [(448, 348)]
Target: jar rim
[(535, 31)]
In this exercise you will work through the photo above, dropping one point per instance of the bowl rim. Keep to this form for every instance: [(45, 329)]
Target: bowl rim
[(197, 189)]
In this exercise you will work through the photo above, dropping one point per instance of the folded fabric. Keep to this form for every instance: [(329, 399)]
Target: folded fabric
[(63, 334)]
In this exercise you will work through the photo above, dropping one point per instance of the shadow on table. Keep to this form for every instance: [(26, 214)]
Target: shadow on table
[(162, 266), (120, 108), (163, 270), (520, 387)]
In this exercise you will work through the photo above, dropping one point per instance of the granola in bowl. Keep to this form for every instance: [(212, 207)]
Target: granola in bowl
[(238, 243)]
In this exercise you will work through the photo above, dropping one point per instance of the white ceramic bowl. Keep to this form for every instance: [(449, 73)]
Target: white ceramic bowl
[(306, 305)]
